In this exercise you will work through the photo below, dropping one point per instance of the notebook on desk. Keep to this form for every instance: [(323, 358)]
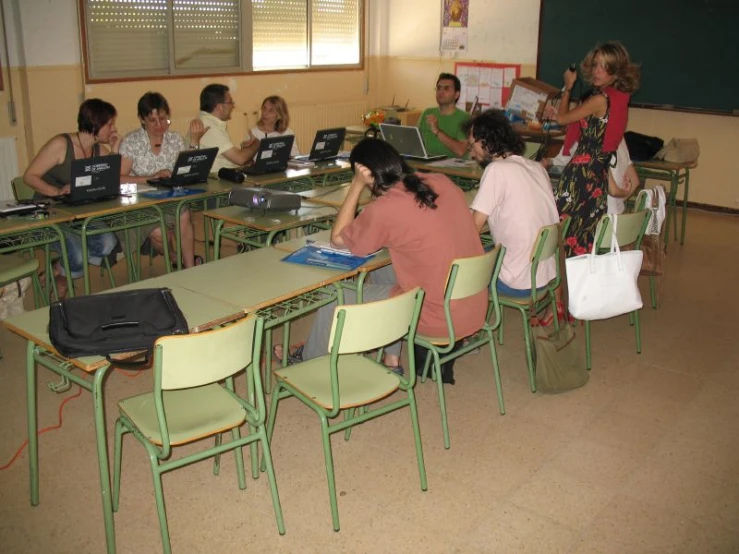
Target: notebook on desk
[(191, 167), (407, 141), (272, 156), (13, 207), (94, 179), (326, 145)]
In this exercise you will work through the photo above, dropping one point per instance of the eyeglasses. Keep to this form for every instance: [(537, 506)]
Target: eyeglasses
[(157, 120)]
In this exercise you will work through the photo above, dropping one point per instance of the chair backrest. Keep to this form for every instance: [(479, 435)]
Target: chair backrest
[(363, 327), (21, 190), (630, 229), (469, 276), (546, 246), (203, 358)]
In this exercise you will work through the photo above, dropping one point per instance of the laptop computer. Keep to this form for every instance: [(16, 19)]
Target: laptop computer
[(326, 145), (94, 179), (272, 156), (191, 167), (407, 141), (13, 207)]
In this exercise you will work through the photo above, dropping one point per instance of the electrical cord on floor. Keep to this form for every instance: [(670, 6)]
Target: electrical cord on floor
[(44, 430)]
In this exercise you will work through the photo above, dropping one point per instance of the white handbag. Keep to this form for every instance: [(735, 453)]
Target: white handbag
[(603, 286)]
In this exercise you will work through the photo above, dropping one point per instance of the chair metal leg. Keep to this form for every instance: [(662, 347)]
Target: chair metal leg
[(239, 455), (161, 508), (269, 467), (637, 330), (588, 363), (653, 291), (529, 350), (436, 368), (330, 477), (496, 373), (417, 437), (686, 189), (120, 430)]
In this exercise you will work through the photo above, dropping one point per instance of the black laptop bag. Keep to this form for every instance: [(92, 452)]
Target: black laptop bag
[(117, 322)]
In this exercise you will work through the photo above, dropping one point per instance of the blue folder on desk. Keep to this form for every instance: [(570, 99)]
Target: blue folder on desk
[(310, 255), (171, 193)]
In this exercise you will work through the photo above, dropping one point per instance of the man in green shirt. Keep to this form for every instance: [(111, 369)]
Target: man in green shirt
[(441, 128)]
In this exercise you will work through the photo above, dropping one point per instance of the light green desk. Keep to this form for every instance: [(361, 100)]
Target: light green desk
[(201, 313), (125, 213), (464, 173), (676, 174), (28, 233), (258, 228)]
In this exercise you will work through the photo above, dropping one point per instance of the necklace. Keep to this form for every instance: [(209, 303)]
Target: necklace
[(84, 152)]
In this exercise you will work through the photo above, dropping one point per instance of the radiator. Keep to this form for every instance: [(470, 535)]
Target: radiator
[(306, 120), (8, 166)]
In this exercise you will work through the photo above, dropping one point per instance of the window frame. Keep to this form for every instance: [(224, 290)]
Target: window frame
[(245, 55)]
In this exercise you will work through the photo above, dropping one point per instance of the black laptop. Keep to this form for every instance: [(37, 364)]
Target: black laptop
[(191, 167), (94, 179), (272, 156), (326, 145)]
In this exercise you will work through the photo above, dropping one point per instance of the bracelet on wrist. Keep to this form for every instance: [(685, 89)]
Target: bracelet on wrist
[(194, 147)]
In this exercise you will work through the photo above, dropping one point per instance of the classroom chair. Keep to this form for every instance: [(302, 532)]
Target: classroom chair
[(188, 403), (346, 380), (467, 277), (641, 204), (630, 230), (14, 268), (547, 246)]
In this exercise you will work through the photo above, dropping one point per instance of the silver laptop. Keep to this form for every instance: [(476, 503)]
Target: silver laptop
[(407, 141), (14, 207)]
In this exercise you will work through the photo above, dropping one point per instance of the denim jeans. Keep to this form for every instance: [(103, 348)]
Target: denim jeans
[(98, 247)]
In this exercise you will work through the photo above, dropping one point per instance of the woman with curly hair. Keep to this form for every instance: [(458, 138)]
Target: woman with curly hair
[(597, 125)]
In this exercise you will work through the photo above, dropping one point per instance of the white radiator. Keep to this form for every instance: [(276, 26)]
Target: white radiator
[(306, 120), (8, 166)]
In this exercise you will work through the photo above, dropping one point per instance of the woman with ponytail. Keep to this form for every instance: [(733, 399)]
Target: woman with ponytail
[(425, 223)]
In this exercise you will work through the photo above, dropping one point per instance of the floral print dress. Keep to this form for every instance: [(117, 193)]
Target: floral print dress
[(582, 191)]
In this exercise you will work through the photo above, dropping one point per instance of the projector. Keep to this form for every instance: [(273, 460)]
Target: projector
[(264, 199)]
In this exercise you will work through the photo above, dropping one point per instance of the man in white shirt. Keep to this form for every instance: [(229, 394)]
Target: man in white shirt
[(216, 105), (515, 199)]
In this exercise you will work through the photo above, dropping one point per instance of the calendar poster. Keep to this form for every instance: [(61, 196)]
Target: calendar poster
[(454, 25)]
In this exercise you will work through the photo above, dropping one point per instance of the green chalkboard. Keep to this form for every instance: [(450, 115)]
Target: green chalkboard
[(688, 49)]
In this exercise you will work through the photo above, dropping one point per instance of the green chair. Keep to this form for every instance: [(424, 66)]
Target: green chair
[(547, 246), (467, 277), (188, 403), (21, 191), (630, 230), (347, 380), (14, 268), (641, 204)]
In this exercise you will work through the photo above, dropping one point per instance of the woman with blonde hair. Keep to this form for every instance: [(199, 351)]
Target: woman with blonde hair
[(597, 125), (274, 121)]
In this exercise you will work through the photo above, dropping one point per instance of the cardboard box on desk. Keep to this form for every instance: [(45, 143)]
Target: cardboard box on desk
[(529, 97)]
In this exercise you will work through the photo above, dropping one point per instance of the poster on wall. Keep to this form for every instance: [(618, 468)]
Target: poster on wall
[(485, 85), (454, 21)]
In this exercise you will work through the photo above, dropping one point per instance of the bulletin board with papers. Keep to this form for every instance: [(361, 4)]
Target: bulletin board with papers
[(489, 83)]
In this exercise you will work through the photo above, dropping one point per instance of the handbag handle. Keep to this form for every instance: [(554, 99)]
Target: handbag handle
[(118, 324), (132, 365), (614, 245)]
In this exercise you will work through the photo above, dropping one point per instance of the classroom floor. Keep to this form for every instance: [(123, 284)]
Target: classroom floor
[(643, 459)]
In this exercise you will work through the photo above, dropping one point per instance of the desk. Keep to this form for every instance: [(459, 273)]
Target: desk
[(121, 214), (675, 173), (466, 174), (258, 228), (201, 313), (27, 232)]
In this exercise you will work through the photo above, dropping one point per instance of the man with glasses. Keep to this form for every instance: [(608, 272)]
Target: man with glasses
[(441, 127), (216, 105)]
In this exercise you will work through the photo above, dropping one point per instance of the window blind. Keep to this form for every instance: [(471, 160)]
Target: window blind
[(335, 26), (280, 34)]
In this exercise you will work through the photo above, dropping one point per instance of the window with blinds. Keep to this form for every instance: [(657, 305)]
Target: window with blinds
[(147, 38)]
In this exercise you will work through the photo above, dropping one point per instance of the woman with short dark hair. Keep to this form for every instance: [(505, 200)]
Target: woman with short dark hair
[(50, 174)]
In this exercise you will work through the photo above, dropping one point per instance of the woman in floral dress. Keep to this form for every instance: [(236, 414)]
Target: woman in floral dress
[(597, 125)]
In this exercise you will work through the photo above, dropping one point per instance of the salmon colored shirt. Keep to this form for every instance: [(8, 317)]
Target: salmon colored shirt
[(422, 243)]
